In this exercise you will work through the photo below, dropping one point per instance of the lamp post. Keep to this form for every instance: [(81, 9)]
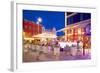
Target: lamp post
[(39, 20)]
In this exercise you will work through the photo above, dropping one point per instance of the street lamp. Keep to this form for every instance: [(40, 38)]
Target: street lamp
[(39, 20)]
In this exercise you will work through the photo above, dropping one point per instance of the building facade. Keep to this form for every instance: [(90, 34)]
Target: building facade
[(79, 28), (30, 28)]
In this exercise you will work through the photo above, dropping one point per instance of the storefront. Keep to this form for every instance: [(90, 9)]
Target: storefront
[(79, 32)]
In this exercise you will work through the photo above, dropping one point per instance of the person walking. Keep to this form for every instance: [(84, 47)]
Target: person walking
[(57, 51)]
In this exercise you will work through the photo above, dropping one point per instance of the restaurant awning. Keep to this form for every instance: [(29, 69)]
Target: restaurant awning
[(45, 35)]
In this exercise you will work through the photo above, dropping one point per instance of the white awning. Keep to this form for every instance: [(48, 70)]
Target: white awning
[(45, 35)]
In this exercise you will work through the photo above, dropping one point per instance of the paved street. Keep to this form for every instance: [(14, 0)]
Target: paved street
[(38, 57)]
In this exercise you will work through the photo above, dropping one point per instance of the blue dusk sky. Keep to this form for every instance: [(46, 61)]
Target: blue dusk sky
[(50, 19)]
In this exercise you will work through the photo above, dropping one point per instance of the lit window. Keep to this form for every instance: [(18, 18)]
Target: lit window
[(79, 31)]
